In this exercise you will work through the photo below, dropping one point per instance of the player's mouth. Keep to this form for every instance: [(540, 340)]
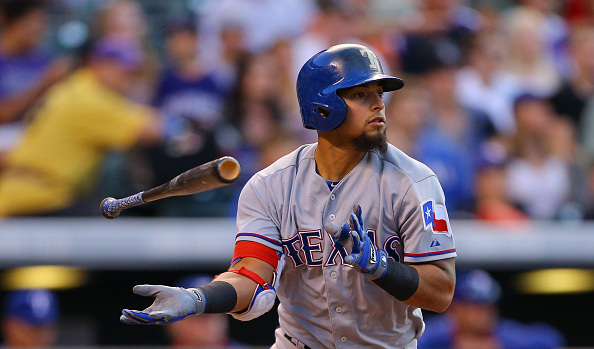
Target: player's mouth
[(378, 121)]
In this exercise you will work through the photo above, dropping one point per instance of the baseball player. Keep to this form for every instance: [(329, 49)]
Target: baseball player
[(351, 234)]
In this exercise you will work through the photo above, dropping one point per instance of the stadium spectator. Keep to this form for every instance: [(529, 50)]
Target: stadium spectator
[(255, 113), (528, 58), (538, 173), (79, 121), (482, 85), (254, 107), (449, 135), (30, 319), (263, 23), (571, 98), (189, 94), (553, 30), (331, 24), (493, 203), (126, 20), (472, 321), (285, 80), (232, 47), (441, 28), (407, 112), (27, 70)]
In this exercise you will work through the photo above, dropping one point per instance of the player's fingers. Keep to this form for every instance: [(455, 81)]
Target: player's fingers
[(345, 233), (160, 316), (133, 317), (146, 290), (151, 318), (349, 259), (125, 319), (352, 221), (140, 317), (355, 224), (359, 213), (357, 210), (356, 241), (177, 318)]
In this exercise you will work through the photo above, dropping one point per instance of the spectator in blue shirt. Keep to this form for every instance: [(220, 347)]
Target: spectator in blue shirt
[(26, 69), (472, 321), (30, 319), (191, 101)]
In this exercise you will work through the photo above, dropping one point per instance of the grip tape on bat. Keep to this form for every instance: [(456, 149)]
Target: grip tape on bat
[(211, 175)]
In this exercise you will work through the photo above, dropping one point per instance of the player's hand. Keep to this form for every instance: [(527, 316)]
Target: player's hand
[(364, 256), (340, 236), (171, 304)]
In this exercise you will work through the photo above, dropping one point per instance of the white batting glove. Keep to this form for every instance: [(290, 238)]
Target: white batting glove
[(171, 304)]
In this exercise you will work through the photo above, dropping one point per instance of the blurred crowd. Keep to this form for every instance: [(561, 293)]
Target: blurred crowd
[(473, 320), (108, 98)]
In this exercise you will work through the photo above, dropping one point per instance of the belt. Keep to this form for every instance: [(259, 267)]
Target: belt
[(299, 344)]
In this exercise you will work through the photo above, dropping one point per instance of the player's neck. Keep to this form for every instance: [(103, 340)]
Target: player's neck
[(335, 163)]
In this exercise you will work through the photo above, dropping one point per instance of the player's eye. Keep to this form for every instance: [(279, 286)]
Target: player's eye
[(381, 94)]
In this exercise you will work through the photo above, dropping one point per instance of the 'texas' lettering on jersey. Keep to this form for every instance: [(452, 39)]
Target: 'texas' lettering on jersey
[(306, 248)]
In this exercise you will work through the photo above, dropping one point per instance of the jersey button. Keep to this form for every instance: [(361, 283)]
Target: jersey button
[(332, 216), (333, 275), (339, 310), (343, 339), (332, 196)]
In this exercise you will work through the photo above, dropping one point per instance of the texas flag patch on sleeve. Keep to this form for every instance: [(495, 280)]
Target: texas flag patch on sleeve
[(436, 217)]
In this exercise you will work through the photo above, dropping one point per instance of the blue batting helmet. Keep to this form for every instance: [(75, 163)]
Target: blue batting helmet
[(335, 68)]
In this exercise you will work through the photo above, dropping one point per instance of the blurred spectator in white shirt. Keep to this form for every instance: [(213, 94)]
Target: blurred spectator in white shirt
[(483, 86), (528, 58), (538, 175), (263, 22)]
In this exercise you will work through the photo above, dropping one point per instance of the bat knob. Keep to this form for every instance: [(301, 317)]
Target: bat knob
[(106, 208)]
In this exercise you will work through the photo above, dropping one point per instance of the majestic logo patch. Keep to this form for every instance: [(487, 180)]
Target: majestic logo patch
[(436, 217)]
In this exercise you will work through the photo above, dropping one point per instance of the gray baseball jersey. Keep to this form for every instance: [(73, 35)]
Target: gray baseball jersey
[(324, 302)]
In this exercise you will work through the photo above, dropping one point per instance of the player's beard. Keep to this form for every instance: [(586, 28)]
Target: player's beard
[(376, 141)]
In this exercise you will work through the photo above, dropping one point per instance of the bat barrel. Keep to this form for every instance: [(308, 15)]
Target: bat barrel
[(228, 169)]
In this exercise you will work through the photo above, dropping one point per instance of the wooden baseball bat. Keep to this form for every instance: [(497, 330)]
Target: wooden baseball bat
[(211, 175)]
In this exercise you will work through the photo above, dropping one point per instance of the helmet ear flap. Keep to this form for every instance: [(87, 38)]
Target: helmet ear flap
[(317, 116), (324, 117)]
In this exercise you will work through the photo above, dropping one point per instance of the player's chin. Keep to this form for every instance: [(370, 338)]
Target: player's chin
[(371, 140)]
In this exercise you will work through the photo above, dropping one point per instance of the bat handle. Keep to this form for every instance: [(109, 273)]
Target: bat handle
[(111, 208)]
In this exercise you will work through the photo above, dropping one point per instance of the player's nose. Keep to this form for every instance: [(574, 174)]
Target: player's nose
[(377, 103)]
